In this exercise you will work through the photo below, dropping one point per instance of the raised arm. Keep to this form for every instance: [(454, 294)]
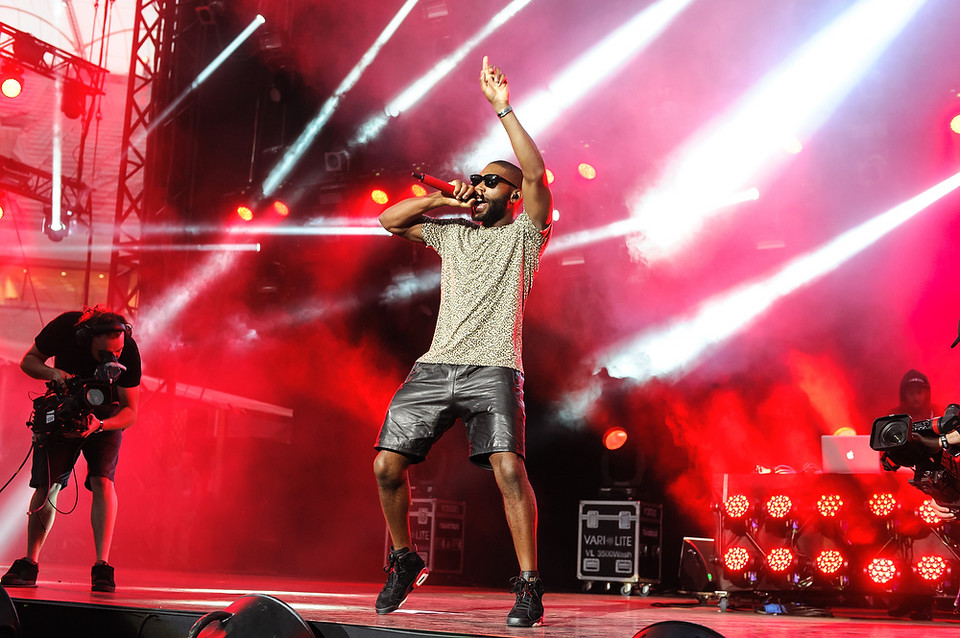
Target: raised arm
[(537, 199)]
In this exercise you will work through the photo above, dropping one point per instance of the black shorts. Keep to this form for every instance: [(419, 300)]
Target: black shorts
[(488, 399), (54, 461)]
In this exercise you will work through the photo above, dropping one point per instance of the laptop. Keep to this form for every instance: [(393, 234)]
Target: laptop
[(849, 455)]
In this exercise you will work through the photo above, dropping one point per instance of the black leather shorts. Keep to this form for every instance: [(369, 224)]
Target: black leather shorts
[(488, 399)]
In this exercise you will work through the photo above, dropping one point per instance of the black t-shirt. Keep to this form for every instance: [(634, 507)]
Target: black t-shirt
[(58, 339)]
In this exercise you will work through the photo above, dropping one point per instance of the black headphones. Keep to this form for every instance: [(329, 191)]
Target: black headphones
[(85, 332)]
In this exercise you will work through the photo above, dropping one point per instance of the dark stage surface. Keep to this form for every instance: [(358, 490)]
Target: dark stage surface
[(167, 604)]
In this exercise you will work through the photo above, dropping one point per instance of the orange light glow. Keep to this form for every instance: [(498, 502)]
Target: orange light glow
[(379, 196), (829, 561), (736, 559), (614, 438), (780, 559), (736, 506), (587, 171), (245, 213)]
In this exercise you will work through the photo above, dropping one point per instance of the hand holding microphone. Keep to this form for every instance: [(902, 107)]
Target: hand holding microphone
[(464, 194)]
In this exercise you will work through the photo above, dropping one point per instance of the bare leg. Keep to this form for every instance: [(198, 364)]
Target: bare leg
[(42, 514), (390, 469), (103, 515), (520, 505)]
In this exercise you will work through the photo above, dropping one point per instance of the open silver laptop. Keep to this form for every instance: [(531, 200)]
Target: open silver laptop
[(849, 455)]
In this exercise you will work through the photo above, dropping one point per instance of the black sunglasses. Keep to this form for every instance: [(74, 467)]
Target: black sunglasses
[(490, 180)]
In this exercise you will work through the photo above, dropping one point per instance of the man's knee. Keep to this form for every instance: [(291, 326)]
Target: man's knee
[(390, 469), (510, 471), (100, 484)]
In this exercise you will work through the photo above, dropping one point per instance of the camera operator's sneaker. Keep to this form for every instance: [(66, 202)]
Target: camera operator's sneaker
[(405, 570), (528, 611), (23, 573), (101, 578)]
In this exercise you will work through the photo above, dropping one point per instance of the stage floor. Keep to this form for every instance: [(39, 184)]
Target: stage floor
[(438, 610)]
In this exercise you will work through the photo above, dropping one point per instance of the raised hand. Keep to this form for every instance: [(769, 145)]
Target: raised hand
[(494, 85)]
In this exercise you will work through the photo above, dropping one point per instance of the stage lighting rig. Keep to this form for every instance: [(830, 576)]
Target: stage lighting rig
[(11, 80), (21, 179), (21, 50)]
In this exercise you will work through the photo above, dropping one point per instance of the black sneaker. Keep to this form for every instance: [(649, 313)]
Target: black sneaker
[(528, 611), (23, 573), (405, 570), (101, 578)]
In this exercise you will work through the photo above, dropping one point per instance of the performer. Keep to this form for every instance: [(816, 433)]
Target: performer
[(473, 369), (79, 342)]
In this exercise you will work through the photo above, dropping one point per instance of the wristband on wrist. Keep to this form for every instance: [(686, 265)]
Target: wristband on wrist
[(99, 429), (943, 442), (506, 111)]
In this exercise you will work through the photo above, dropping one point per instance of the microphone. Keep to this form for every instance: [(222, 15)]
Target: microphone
[(439, 184)]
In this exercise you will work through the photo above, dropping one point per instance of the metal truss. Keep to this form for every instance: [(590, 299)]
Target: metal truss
[(23, 49), (17, 177), (136, 204)]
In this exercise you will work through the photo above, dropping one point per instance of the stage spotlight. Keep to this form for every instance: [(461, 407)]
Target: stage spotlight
[(738, 515), (882, 504), (779, 508), (955, 124), (737, 506), (587, 171), (829, 562), (932, 569), (829, 505), (31, 50), (418, 190), (740, 566), (780, 560), (73, 104), (11, 81), (792, 145), (882, 571), (614, 438), (281, 208), (929, 515), (550, 176), (379, 196), (56, 229), (736, 559), (244, 212)]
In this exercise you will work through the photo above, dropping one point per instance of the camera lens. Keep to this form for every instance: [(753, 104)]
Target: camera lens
[(95, 396), (893, 434)]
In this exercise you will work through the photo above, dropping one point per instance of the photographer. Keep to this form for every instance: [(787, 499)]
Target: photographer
[(82, 345)]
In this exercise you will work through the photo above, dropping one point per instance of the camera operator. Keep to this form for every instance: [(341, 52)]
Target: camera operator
[(915, 400), (80, 344)]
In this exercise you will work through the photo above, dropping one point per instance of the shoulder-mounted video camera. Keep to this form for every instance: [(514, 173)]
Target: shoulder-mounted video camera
[(65, 409), (904, 442)]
